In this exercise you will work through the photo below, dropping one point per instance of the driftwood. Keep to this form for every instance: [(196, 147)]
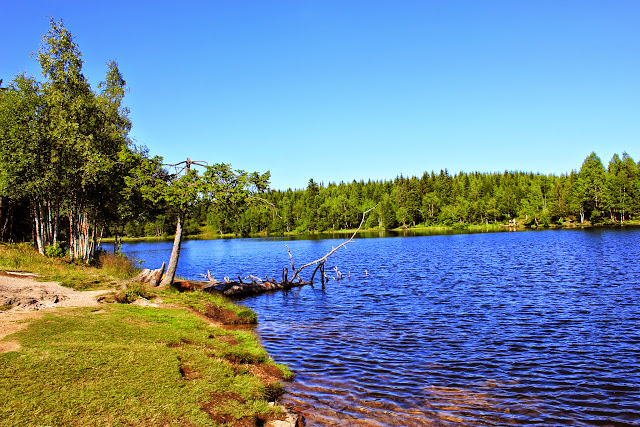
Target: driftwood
[(322, 260), (151, 277), (255, 285), (234, 288)]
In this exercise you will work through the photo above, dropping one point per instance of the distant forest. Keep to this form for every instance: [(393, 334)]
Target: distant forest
[(70, 175), (593, 194)]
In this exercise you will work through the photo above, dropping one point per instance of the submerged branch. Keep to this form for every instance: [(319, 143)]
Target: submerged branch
[(258, 285)]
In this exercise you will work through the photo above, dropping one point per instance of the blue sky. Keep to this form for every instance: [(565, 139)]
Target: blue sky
[(343, 90)]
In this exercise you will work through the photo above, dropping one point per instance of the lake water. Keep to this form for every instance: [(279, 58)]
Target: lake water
[(473, 329)]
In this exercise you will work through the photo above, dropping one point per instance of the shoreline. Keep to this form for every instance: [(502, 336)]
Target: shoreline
[(418, 230), (25, 300)]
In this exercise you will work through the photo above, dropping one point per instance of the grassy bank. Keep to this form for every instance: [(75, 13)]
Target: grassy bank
[(123, 364), (129, 365), (105, 273)]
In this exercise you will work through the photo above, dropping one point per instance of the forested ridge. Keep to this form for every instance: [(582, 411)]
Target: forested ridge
[(591, 194), (70, 175)]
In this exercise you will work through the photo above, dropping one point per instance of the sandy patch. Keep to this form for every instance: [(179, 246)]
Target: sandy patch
[(28, 299)]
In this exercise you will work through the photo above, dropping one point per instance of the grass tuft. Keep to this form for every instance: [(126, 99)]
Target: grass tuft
[(134, 291)]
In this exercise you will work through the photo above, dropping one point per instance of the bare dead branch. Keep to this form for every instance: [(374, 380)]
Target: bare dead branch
[(275, 209), (293, 267), (324, 258)]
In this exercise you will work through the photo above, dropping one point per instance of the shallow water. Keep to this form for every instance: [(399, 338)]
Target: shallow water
[(478, 329)]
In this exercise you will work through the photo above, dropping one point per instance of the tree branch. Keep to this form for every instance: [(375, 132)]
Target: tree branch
[(324, 258), (275, 209)]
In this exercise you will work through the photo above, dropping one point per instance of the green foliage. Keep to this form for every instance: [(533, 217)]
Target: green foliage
[(61, 145), (54, 251), (132, 292), (590, 187), (442, 199), (191, 228)]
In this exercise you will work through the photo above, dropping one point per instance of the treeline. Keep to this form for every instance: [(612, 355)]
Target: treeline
[(69, 173), (593, 194)]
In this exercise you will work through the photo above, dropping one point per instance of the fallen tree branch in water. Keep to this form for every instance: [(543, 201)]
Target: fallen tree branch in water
[(324, 258), (257, 285)]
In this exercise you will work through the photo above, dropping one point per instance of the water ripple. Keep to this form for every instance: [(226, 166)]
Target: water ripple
[(485, 329)]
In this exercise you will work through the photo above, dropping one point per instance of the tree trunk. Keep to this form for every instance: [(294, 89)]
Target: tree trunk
[(39, 233), (83, 233), (175, 252), (46, 224)]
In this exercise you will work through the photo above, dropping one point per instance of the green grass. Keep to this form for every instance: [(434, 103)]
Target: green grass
[(129, 365), (215, 306), (107, 271), (121, 364)]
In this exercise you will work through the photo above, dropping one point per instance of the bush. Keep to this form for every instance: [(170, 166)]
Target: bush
[(273, 391), (133, 292), (54, 251), (191, 228), (596, 216), (117, 265)]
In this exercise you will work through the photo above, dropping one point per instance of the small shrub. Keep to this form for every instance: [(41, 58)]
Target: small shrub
[(545, 220), (133, 292), (54, 251), (273, 391), (596, 217), (191, 228), (247, 316)]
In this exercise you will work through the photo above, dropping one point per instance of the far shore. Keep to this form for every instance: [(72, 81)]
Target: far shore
[(418, 229)]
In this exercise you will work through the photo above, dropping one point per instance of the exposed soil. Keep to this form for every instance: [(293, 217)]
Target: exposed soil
[(222, 315), (22, 298)]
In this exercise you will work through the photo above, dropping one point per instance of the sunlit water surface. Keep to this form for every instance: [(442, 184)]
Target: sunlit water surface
[(477, 329)]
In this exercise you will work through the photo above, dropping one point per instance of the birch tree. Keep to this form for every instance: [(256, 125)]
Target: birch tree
[(61, 145)]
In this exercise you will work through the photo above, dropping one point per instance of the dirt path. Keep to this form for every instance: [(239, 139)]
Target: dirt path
[(29, 298)]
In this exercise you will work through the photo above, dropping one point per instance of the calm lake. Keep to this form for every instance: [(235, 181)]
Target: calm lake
[(474, 329)]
